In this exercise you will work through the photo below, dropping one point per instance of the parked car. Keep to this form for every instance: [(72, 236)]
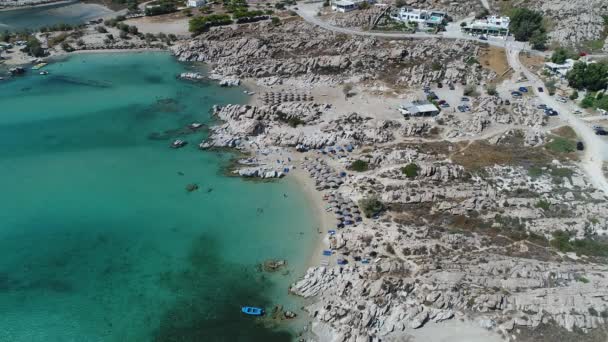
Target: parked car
[(599, 130), (462, 108), (540, 89), (507, 102), (445, 105), (441, 102), (432, 95), (542, 106), (577, 112), (516, 94), (523, 89), (561, 99), (439, 85), (580, 146), (483, 38), (464, 99), (451, 86)]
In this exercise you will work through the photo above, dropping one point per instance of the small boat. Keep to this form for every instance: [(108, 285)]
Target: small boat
[(252, 311), (195, 125), (44, 72), (178, 143)]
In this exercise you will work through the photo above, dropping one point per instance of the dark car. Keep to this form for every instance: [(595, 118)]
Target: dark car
[(439, 85), (451, 86), (523, 89), (507, 102), (580, 146), (540, 89)]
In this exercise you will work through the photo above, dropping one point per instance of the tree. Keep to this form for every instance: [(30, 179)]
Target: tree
[(524, 23), (538, 40), (560, 55), (347, 89), (550, 85), (133, 30), (34, 48), (371, 206), (491, 90), (574, 95), (592, 77), (275, 21)]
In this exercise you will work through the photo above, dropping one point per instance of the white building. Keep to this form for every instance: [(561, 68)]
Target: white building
[(430, 18), (560, 69), (348, 5), (490, 25), (196, 3), (419, 108)]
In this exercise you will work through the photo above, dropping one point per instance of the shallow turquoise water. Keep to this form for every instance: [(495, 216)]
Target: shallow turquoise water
[(36, 17), (100, 240)]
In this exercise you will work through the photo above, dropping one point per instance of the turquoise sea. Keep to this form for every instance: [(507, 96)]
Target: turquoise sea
[(99, 239)]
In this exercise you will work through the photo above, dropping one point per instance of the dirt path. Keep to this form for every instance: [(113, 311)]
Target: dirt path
[(595, 148)]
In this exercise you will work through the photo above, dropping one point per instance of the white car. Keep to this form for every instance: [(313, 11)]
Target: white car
[(562, 99)]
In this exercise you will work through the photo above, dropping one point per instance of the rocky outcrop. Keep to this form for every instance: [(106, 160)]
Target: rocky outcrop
[(298, 50)]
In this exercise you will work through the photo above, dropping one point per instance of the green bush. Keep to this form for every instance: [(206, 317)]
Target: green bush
[(410, 170), (359, 165), (542, 204), (561, 145), (563, 242), (371, 206)]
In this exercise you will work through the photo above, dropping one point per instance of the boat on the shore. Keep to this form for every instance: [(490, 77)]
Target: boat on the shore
[(252, 311), (178, 143), (16, 71), (39, 66)]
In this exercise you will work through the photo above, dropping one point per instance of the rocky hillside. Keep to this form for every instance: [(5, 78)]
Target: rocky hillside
[(571, 22)]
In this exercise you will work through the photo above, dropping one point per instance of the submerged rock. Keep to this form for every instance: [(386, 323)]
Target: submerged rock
[(273, 265), (191, 187)]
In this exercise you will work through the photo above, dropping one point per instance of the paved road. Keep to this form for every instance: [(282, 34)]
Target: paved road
[(309, 11), (595, 147)]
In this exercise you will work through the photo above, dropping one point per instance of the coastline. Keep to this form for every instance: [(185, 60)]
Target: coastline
[(322, 219), (21, 59), (61, 2)]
